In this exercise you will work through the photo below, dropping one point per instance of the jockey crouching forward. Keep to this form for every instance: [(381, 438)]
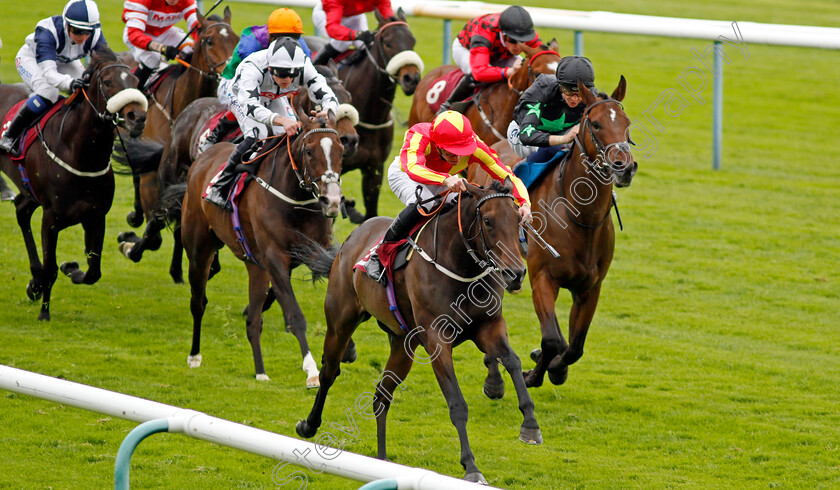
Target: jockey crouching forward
[(49, 61), (345, 24), (262, 89), (431, 157), (150, 32)]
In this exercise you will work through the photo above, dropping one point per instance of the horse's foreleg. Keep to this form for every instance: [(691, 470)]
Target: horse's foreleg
[(257, 289), (135, 217), (24, 207), (200, 256), (94, 238), (494, 385), (151, 240), (396, 370), (553, 343), (580, 317), (49, 238), (292, 314), (371, 184), (176, 265), (494, 342), (458, 411)]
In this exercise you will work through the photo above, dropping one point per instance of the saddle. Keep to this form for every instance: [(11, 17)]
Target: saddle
[(157, 77), (208, 128), (383, 259), (28, 136), (531, 169)]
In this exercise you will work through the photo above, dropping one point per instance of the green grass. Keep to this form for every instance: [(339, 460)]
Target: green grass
[(712, 361)]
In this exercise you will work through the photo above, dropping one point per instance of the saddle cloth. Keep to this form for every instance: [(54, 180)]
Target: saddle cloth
[(446, 85), (29, 135), (531, 169), (208, 128), (383, 259)]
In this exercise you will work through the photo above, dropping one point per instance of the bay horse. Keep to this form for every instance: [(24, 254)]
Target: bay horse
[(492, 110), (373, 82), (181, 150), (184, 84), (69, 174), (572, 205), (297, 198), (472, 244)]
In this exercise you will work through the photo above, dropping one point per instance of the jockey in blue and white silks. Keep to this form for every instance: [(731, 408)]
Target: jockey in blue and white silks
[(49, 62)]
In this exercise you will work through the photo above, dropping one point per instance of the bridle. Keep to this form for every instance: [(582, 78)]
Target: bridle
[(532, 75), (601, 165), (481, 231), (211, 73), (377, 34)]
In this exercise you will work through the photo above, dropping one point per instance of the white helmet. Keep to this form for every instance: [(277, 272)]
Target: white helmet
[(285, 53), (81, 14)]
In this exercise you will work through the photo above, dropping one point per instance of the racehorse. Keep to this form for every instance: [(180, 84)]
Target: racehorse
[(492, 110), (467, 242), (181, 86), (373, 84), (297, 198), (572, 204), (69, 174), (180, 151)]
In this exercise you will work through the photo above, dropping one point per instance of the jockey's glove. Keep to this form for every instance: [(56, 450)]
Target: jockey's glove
[(77, 83), (365, 37)]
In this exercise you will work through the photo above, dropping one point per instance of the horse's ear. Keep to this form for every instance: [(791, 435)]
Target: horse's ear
[(227, 15), (508, 183), (473, 190), (401, 14), (588, 97), (621, 90), (553, 45), (201, 20), (528, 50), (379, 17)]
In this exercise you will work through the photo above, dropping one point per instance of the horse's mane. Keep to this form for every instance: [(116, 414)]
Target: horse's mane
[(498, 187), (98, 57), (215, 18)]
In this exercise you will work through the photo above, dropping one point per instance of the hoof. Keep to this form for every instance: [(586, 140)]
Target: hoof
[(134, 219), (263, 377), (313, 382), (304, 430), (44, 316), (535, 354), (530, 436), (476, 477), (558, 377), (194, 361), (494, 391), (71, 270), (349, 354), (34, 290), (530, 379), (125, 249), (128, 236)]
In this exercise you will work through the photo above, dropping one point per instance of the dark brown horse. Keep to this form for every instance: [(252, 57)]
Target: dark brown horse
[(373, 85), (69, 172), (295, 197), (180, 151), (467, 243), (200, 78), (571, 207), (492, 111)]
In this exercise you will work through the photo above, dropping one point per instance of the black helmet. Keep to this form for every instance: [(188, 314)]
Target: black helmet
[(515, 23), (572, 68)]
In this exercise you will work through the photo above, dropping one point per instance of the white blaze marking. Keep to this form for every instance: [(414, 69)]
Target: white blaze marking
[(552, 66), (326, 144), (223, 31), (124, 75), (612, 115)]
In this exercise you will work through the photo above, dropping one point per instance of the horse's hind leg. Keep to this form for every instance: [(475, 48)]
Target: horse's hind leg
[(396, 370), (494, 342), (151, 240), (494, 385), (257, 288), (583, 309), (200, 252), (94, 238), (553, 343), (176, 266), (135, 217), (371, 185), (24, 207), (49, 238)]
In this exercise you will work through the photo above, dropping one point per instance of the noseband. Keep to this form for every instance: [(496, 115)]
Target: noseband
[(601, 164), (211, 73)]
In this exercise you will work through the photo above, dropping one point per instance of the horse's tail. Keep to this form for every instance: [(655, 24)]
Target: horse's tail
[(136, 155), (313, 255), (169, 207)]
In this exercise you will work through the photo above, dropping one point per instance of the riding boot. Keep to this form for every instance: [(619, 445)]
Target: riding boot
[(403, 224), (327, 53), (219, 189), (463, 90), (142, 73), (22, 120), (223, 127)]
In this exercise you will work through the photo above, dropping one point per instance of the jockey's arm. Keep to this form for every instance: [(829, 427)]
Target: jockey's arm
[(320, 92), (45, 55), (248, 92), (334, 11), (413, 160), (489, 161), (480, 63)]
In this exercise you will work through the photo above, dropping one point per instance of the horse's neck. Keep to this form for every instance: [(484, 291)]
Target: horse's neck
[(585, 189), (88, 137), (441, 239), (375, 93), (191, 85), (501, 114)]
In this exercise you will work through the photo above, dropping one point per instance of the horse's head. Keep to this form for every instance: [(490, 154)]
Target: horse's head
[(605, 135), (347, 117), (539, 60), (394, 46), (216, 41), (495, 230), (316, 154), (112, 92)]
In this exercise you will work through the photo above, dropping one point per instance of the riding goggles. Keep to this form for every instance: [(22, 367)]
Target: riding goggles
[(79, 31), (285, 72)]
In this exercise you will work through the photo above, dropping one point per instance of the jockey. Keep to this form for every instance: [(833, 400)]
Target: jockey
[(282, 22), (431, 158), (49, 61), (487, 49), (344, 22), (261, 92), (150, 32), (549, 111)]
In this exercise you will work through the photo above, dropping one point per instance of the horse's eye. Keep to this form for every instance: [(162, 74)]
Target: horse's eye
[(107, 83), (488, 222), (386, 44), (307, 150), (596, 126), (210, 42)]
